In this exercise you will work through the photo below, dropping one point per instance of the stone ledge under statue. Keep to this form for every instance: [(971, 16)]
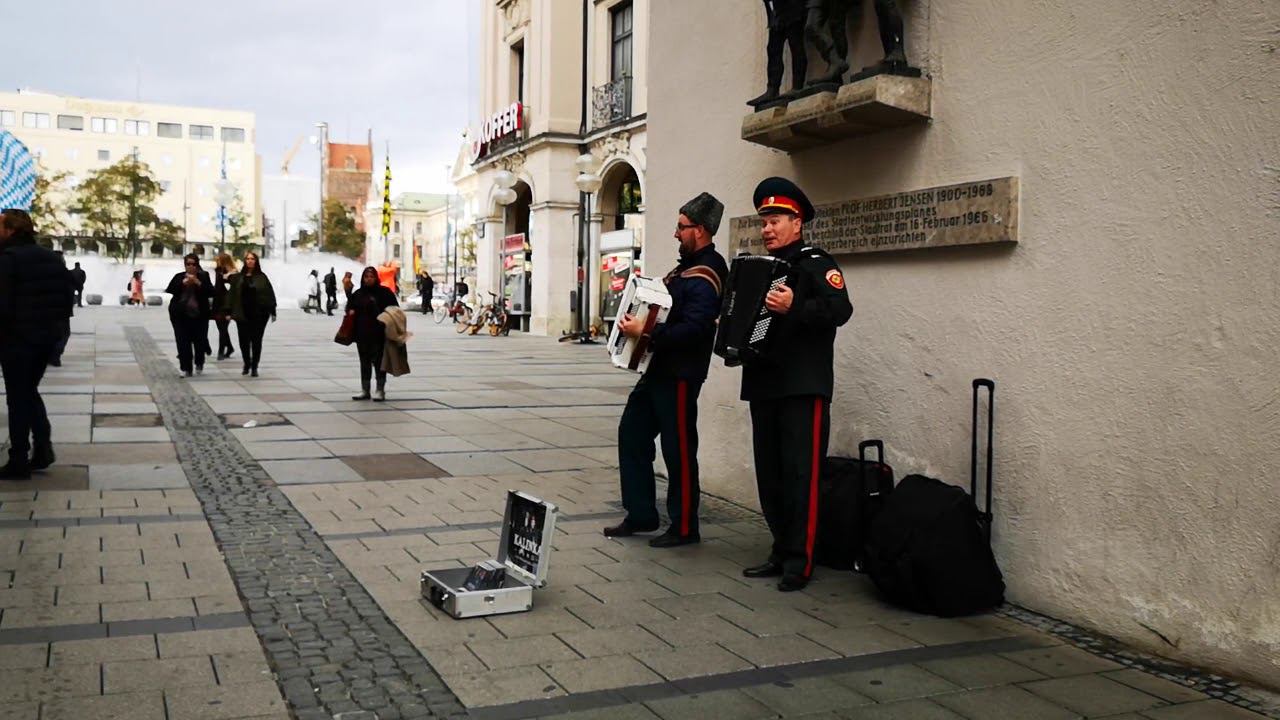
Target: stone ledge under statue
[(869, 105)]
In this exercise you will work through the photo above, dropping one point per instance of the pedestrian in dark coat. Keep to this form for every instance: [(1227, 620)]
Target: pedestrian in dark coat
[(221, 310), (78, 276), (252, 302), (331, 291), (664, 402), (366, 304), (192, 291), (34, 310)]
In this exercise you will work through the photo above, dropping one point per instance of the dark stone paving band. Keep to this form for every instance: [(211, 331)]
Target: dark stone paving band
[(445, 529), (105, 520), (746, 678), (124, 628), (331, 647)]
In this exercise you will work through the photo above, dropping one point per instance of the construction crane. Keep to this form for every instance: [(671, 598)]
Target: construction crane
[(284, 164)]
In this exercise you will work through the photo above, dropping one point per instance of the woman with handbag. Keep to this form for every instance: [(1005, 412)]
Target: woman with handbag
[(366, 304), (189, 313), (225, 267), (252, 302)]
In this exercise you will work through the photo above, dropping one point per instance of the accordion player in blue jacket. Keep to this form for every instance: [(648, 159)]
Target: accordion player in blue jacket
[(665, 399)]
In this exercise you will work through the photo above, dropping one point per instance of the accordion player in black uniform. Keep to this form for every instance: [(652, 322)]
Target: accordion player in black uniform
[(789, 386)]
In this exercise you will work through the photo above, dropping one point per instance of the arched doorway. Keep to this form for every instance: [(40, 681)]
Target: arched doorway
[(517, 258), (618, 250)]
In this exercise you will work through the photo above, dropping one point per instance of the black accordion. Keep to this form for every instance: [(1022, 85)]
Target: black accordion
[(743, 334)]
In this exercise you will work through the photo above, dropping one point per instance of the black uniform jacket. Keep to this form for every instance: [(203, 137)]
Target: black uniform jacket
[(35, 293), (682, 344), (802, 352)]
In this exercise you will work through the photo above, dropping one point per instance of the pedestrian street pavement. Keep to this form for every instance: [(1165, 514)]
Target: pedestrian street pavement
[(234, 547)]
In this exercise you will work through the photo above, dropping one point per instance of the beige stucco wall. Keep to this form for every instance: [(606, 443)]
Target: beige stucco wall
[(1132, 331)]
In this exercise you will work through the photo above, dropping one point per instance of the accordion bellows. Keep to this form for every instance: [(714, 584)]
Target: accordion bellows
[(743, 334), (647, 299)]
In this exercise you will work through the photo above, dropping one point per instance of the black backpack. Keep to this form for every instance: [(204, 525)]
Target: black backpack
[(929, 548), (851, 493)]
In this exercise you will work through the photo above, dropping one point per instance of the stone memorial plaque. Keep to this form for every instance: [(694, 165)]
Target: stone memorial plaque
[(971, 213)]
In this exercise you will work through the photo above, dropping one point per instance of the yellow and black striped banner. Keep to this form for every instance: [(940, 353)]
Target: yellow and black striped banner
[(386, 200)]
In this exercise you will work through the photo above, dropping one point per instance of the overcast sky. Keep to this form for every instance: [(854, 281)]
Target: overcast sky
[(404, 68)]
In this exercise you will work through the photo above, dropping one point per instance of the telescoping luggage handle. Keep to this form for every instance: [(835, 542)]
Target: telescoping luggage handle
[(862, 460), (985, 512)]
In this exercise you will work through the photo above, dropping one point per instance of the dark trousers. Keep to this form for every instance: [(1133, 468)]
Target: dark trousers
[(79, 297), (224, 338), (791, 35), (192, 336), (250, 331), (24, 365), (331, 299), (666, 408), (789, 436), (371, 362)]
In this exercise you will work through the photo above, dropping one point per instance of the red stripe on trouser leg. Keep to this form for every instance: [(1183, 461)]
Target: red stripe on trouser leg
[(815, 466), (682, 400)]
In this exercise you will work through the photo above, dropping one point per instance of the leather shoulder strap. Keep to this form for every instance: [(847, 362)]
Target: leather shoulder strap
[(704, 272)]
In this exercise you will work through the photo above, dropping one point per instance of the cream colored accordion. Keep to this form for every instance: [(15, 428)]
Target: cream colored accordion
[(647, 299)]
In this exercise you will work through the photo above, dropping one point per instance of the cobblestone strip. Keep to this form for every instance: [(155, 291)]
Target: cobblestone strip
[(334, 652), (1215, 686)]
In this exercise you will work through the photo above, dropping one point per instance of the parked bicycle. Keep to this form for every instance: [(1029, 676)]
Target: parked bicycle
[(494, 316), (457, 311)]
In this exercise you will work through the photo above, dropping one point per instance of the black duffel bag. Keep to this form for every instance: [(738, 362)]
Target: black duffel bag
[(929, 548), (851, 493)]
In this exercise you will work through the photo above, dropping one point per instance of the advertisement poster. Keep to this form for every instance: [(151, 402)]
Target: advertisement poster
[(524, 541)]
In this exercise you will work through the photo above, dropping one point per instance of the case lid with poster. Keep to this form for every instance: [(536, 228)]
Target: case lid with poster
[(525, 546)]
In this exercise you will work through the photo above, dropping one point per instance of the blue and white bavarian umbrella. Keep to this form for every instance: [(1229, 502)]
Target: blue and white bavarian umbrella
[(17, 173)]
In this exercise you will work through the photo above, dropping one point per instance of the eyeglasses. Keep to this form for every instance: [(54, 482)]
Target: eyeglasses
[(681, 227)]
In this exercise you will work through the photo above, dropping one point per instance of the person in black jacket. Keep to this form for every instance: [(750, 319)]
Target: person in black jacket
[(189, 313), (35, 287), (221, 310), (331, 291), (665, 399), (366, 304), (252, 301), (78, 277), (790, 393)]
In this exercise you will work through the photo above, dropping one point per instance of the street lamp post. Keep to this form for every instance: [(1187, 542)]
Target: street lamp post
[(324, 150), (588, 184), (505, 181)]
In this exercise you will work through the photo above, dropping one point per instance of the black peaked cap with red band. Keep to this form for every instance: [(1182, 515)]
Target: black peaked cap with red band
[(777, 194)]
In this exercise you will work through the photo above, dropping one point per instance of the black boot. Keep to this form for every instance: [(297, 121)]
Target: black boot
[(16, 469), (42, 456), (671, 538)]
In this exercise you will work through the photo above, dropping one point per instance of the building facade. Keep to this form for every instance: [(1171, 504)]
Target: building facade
[(183, 146), (1130, 329), (348, 175), (560, 80), (418, 231)]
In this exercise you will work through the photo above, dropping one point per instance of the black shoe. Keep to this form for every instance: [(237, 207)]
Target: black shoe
[(230, 353), (769, 569), (792, 583), (15, 471), (671, 538), (254, 372), (626, 529), (245, 371), (55, 363), (186, 373), (42, 457)]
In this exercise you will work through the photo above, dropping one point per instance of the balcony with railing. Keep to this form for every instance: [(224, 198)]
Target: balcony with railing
[(611, 102)]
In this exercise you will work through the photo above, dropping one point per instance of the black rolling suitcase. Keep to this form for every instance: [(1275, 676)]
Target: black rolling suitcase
[(850, 493), (929, 548)]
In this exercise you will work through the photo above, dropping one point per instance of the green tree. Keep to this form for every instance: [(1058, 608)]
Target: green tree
[(340, 233), (240, 235), (114, 204), (47, 208)]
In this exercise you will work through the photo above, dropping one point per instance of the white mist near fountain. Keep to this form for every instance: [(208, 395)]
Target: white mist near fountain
[(292, 279)]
